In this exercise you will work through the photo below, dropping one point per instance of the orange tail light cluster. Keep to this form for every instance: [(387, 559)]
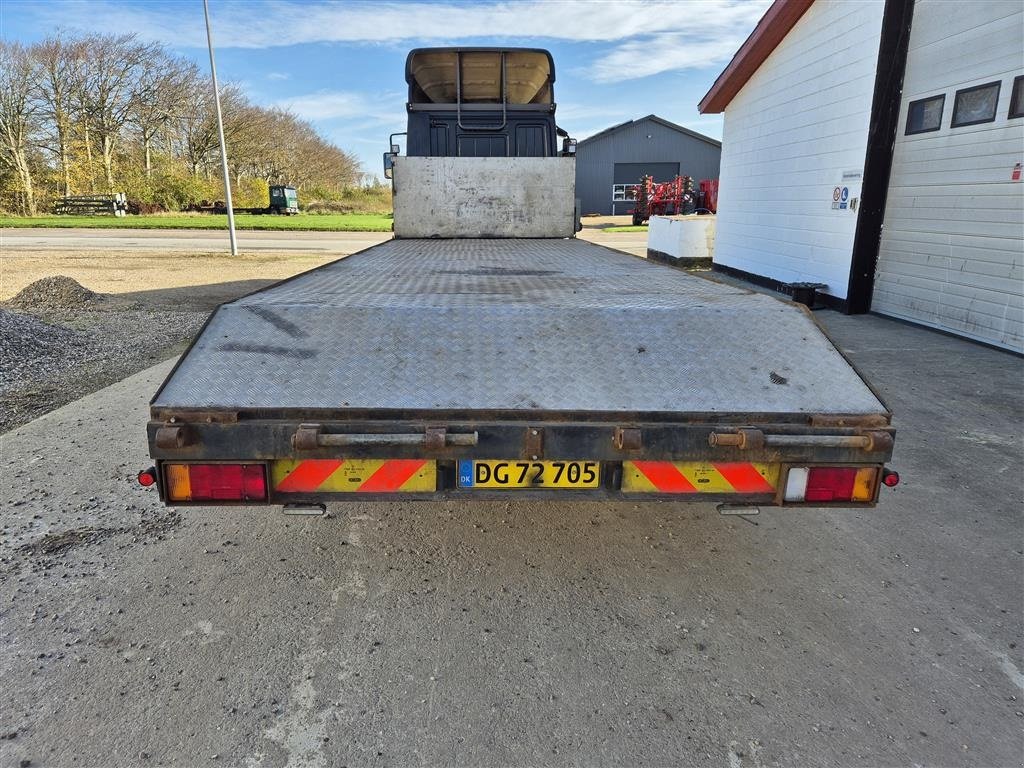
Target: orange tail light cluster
[(216, 482)]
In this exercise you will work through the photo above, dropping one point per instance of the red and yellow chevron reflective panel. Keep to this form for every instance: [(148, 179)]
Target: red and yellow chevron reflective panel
[(354, 476), (698, 477)]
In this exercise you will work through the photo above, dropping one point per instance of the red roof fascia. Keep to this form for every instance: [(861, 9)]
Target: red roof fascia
[(769, 32)]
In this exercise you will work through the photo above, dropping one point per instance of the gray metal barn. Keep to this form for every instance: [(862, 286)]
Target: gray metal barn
[(615, 158)]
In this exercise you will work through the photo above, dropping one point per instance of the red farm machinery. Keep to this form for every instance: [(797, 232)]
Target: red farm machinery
[(672, 198), (663, 198)]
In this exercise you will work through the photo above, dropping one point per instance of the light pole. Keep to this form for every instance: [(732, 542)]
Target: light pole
[(220, 133)]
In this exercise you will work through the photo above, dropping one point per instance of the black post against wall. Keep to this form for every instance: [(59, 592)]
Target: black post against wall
[(885, 115)]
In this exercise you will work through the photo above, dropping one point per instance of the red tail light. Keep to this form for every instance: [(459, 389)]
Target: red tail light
[(216, 482), (831, 484), (147, 477)]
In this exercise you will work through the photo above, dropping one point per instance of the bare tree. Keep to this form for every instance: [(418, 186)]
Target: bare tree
[(162, 86), (198, 122), (18, 115), (197, 126), (277, 146), (60, 65), (81, 125), (106, 106), (113, 64), (257, 142)]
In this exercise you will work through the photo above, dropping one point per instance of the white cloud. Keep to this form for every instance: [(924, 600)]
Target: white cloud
[(651, 37), (663, 53), (326, 105), (583, 112), (364, 108), (709, 125), (278, 76), (583, 120)]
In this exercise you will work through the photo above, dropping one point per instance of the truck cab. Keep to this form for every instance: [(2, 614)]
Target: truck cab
[(481, 102), (482, 154), (283, 200)]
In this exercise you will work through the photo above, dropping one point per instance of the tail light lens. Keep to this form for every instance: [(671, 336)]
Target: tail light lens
[(831, 484), (216, 482)]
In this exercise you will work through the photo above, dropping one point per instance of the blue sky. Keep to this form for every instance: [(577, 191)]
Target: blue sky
[(341, 64)]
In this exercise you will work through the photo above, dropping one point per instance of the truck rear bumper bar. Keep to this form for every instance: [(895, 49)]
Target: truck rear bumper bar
[(692, 461)]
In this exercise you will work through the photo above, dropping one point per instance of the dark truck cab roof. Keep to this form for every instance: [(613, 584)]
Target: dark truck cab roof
[(481, 102)]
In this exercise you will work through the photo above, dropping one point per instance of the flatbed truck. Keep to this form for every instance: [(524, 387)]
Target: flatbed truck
[(486, 352), (284, 201)]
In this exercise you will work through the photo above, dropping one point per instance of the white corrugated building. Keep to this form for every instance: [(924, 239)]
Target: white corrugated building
[(876, 148)]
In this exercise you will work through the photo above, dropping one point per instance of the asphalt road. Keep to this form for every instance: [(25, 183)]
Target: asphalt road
[(205, 240), (196, 240), (524, 633)]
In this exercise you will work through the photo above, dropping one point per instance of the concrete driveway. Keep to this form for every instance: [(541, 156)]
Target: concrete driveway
[(524, 633)]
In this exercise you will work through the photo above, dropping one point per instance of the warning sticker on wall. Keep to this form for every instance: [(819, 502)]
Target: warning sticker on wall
[(844, 196)]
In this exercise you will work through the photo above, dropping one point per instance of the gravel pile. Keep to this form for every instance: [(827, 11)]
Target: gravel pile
[(54, 293), (32, 349), (59, 341), (44, 364)]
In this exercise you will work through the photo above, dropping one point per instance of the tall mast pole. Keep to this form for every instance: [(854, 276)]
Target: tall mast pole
[(220, 134)]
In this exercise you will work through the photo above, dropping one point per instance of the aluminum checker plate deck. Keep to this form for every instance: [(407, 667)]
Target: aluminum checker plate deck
[(549, 325)]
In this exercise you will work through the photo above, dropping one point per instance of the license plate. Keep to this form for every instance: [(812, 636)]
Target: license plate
[(529, 474)]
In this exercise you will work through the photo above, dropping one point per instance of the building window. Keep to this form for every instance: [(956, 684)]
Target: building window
[(623, 193), (925, 114), (976, 105), (1017, 97)]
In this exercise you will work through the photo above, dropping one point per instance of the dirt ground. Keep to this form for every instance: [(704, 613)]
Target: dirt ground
[(603, 222), (212, 277)]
